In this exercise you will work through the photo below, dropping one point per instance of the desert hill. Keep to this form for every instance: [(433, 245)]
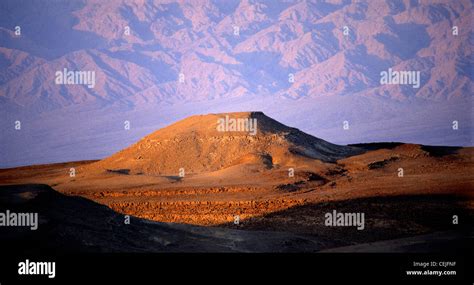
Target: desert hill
[(436, 184), (198, 145), (243, 174)]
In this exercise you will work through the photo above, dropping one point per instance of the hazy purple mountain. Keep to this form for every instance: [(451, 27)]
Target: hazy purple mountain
[(310, 64)]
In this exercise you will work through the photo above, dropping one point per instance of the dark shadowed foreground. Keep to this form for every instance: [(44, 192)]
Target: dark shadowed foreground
[(75, 224)]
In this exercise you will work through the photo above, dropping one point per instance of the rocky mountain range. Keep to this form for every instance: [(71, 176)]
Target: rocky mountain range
[(231, 48), (315, 56)]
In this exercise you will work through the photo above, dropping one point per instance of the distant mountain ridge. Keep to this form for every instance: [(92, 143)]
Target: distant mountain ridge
[(311, 64), (230, 49)]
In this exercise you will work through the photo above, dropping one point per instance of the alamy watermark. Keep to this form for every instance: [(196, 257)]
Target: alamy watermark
[(335, 219), (228, 124), (71, 77), (28, 267), (400, 77), (11, 219)]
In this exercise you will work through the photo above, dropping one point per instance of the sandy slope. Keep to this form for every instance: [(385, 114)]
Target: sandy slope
[(196, 145)]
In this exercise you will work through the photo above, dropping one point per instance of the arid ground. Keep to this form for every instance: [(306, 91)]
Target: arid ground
[(188, 173)]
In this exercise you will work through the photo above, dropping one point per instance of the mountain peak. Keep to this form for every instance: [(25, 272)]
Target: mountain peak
[(207, 143)]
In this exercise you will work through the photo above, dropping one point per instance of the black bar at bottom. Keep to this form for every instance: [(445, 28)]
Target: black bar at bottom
[(299, 267)]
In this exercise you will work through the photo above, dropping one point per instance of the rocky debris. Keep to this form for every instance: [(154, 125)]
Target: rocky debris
[(74, 224)]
